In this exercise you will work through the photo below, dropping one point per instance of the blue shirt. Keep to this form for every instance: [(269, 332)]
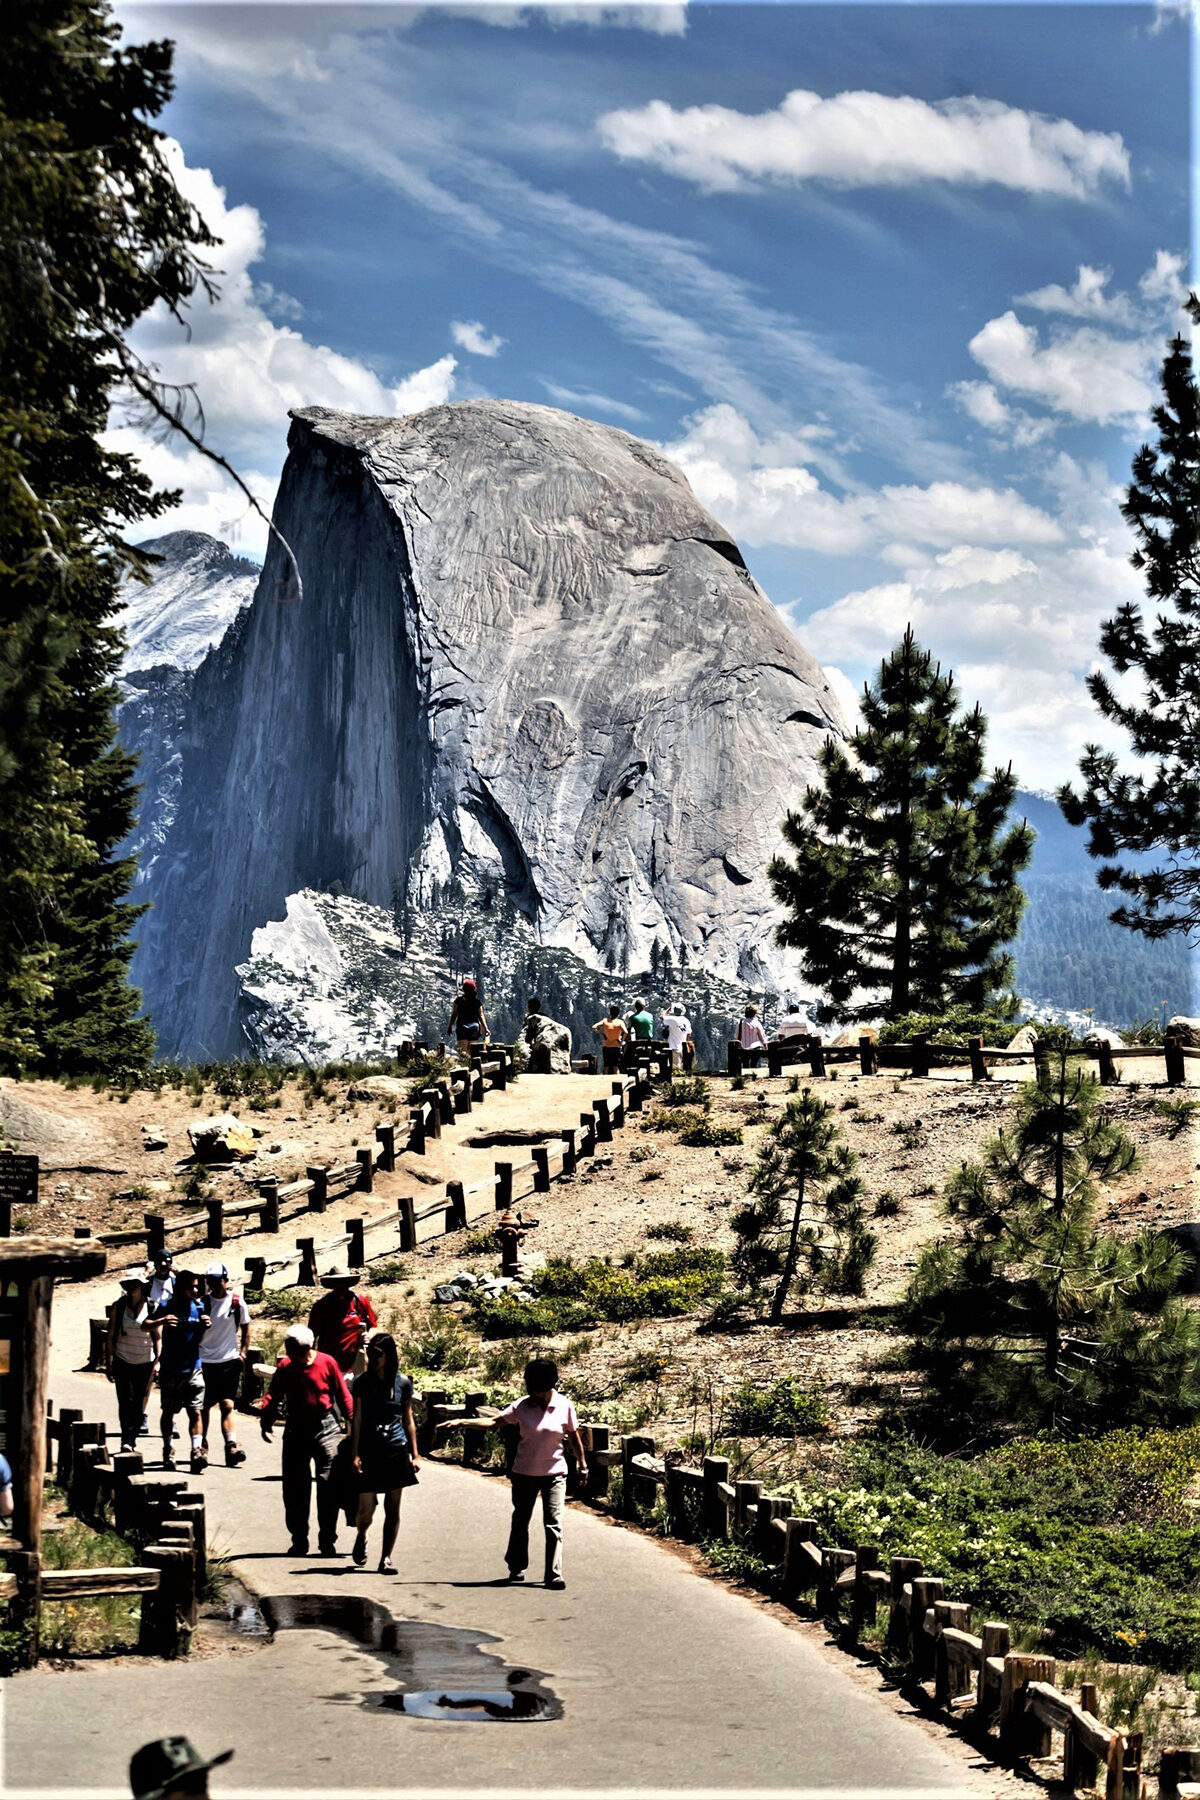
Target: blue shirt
[(180, 1353), (5, 1473)]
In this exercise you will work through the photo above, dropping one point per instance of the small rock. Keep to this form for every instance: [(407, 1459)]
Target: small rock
[(222, 1138), (154, 1137), (274, 1149)]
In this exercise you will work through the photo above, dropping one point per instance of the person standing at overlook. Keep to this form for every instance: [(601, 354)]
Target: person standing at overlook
[(468, 1025), (612, 1034), (677, 1029), (751, 1037), (641, 1023)]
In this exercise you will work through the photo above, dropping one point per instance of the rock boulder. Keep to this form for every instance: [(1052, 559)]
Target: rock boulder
[(547, 1045), (221, 1138)]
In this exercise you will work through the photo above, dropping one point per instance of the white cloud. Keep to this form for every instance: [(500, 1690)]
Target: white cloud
[(763, 493), (1084, 373), (860, 139), (590, 402), (1165, 281), (249, 370), (471, 336), (1087, 299)]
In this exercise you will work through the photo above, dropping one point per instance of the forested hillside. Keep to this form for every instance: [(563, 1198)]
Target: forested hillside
[(1068, 954)]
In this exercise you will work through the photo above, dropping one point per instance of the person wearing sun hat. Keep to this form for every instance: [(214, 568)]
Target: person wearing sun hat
[(171, 1769), (341, 1319), (131, 1354)]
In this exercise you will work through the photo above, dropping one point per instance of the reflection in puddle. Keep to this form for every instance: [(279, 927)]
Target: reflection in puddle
[(442, 1671), (516, 1703)]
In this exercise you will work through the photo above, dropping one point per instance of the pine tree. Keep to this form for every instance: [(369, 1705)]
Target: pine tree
[(92, 233), (807, 1210), (1031, 1316), (1157, 811), (903, 891)]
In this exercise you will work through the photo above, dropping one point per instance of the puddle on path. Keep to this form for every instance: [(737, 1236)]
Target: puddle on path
[(441, 1671)]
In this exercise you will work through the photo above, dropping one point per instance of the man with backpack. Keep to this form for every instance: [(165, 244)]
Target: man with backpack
[(222, 1355), (341, 1319)]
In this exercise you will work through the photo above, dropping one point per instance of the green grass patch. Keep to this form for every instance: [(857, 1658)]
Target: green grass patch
[(671, 1231), (787, 1408), (707, 1136), (98, 1627), (685, 1118), (568, 1295)]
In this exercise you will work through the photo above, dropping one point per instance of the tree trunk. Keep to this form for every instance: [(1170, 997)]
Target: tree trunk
[(789, 1261)]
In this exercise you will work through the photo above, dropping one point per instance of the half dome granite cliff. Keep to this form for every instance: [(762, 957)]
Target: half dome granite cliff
[(525, 656)]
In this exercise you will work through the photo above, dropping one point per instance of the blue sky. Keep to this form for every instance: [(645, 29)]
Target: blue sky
[(891, 283)]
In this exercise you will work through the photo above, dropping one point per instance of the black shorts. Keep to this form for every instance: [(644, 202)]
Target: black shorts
[(222, 1380), (612, 1059)]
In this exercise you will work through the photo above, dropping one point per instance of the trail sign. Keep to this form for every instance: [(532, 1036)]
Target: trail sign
[(18, 1186)]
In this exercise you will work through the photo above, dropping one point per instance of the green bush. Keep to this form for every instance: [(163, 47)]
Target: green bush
[(706, 1136), (685, 1119), (686, 1090), (569, 1295), (440, 1345), (481, 1243), (671, 1231), (286, 1303), (954, 1026), (785, 1409)]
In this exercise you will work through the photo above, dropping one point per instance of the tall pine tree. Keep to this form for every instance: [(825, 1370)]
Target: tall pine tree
[(1156, 810), (92, 233), (903, 890)]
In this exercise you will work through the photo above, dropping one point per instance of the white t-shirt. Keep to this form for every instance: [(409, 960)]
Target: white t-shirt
[(678, 1030), (795, 1024), (228, 1312), (161, 1289)]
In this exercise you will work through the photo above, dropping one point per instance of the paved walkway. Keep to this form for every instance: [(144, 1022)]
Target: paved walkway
[(665, 1679)]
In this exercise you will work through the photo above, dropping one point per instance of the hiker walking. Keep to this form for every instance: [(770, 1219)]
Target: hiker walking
[(182, 1321), (341, 1319), (547, 1424), (160, 1274), (612, 1034), (222, 1354), (383, 1446), (751, 1037), (314, 1391), (131, 1355), (677, 1030), (467, 1022)]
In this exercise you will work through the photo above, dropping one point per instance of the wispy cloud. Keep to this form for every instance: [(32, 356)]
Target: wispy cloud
[(869, 139), (471, 336), (590, 402)]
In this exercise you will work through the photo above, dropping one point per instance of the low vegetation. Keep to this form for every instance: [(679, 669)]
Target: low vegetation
[(568, 1295)]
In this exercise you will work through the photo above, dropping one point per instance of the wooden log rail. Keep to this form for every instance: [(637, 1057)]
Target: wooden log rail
[(1006, 1697), (165, 1523), (921, 1057)]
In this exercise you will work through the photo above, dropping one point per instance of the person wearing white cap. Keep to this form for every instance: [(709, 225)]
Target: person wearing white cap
[(222, 1354), (677, 1030)]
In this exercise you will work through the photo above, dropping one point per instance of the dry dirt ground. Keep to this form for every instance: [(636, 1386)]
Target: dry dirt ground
[(667, 1375)]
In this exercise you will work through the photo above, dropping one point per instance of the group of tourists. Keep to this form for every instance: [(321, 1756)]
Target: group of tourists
[(346, 1407), (616, 1034)]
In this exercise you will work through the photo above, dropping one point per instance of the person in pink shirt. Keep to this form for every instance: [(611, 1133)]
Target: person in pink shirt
[(547, 1424)]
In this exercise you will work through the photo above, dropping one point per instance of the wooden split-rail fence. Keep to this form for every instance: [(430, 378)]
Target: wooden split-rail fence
[(921, 1058), (1004, 1697), (459, 1206), (157, 1513)]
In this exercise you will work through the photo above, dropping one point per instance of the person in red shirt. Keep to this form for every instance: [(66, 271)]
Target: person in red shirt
[(314, 1391), (341, 1319)]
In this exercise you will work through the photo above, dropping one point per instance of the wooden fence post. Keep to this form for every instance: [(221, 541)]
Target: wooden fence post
[(366, 1171), (408, 1222), (1176, 1062), (774, 1060), (432, 1101), (1108, 1068), (1175, 1766), (541, 1169), (156, 1232), (863, 1602), (816, 1056), (833, 1564), (745, 1495), (598, 1477), (920, 1058), (504, 1186), (631, 1447), (416, 1130), (445, 1095), (770, 1508), (994, 1636), (1021, 1732), (318, 1200), (979, 1068), (385, 1136), (902, 1569), (604, 1124), (356, 1254), (67, 1417), (268, 1212), (306, 1275), (568, 1143), (714, 1514), (617, 1113), (456, 1206), (1081, 1765), (26, 1613), (868, 1056), (637, 1093), (432, 1398), (214, 1237), (733, 1057), (256, 1272), (462, 1093), (925, 1590), (586, 1145)]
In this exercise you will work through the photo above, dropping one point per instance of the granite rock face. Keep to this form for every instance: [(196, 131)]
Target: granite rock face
[(526, 660)]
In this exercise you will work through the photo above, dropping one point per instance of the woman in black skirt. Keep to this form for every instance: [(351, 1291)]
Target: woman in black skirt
[(383, 1445)]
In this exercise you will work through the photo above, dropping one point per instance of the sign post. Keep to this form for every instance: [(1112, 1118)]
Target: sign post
[(28, 1266), (18, 1186)]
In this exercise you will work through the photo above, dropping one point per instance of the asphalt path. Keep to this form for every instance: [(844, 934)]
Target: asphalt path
[(662, 1679)]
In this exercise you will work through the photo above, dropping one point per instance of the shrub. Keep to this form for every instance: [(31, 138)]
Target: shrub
[(785, 1409), (481, 1243), (887, 1205), (670, 1230), (706, 1136), (642, 1153), (389, 1269), (286, 1303), (954, 1026), (688, 1090), (568, 1295), (685, 1119), (440, 1345)]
